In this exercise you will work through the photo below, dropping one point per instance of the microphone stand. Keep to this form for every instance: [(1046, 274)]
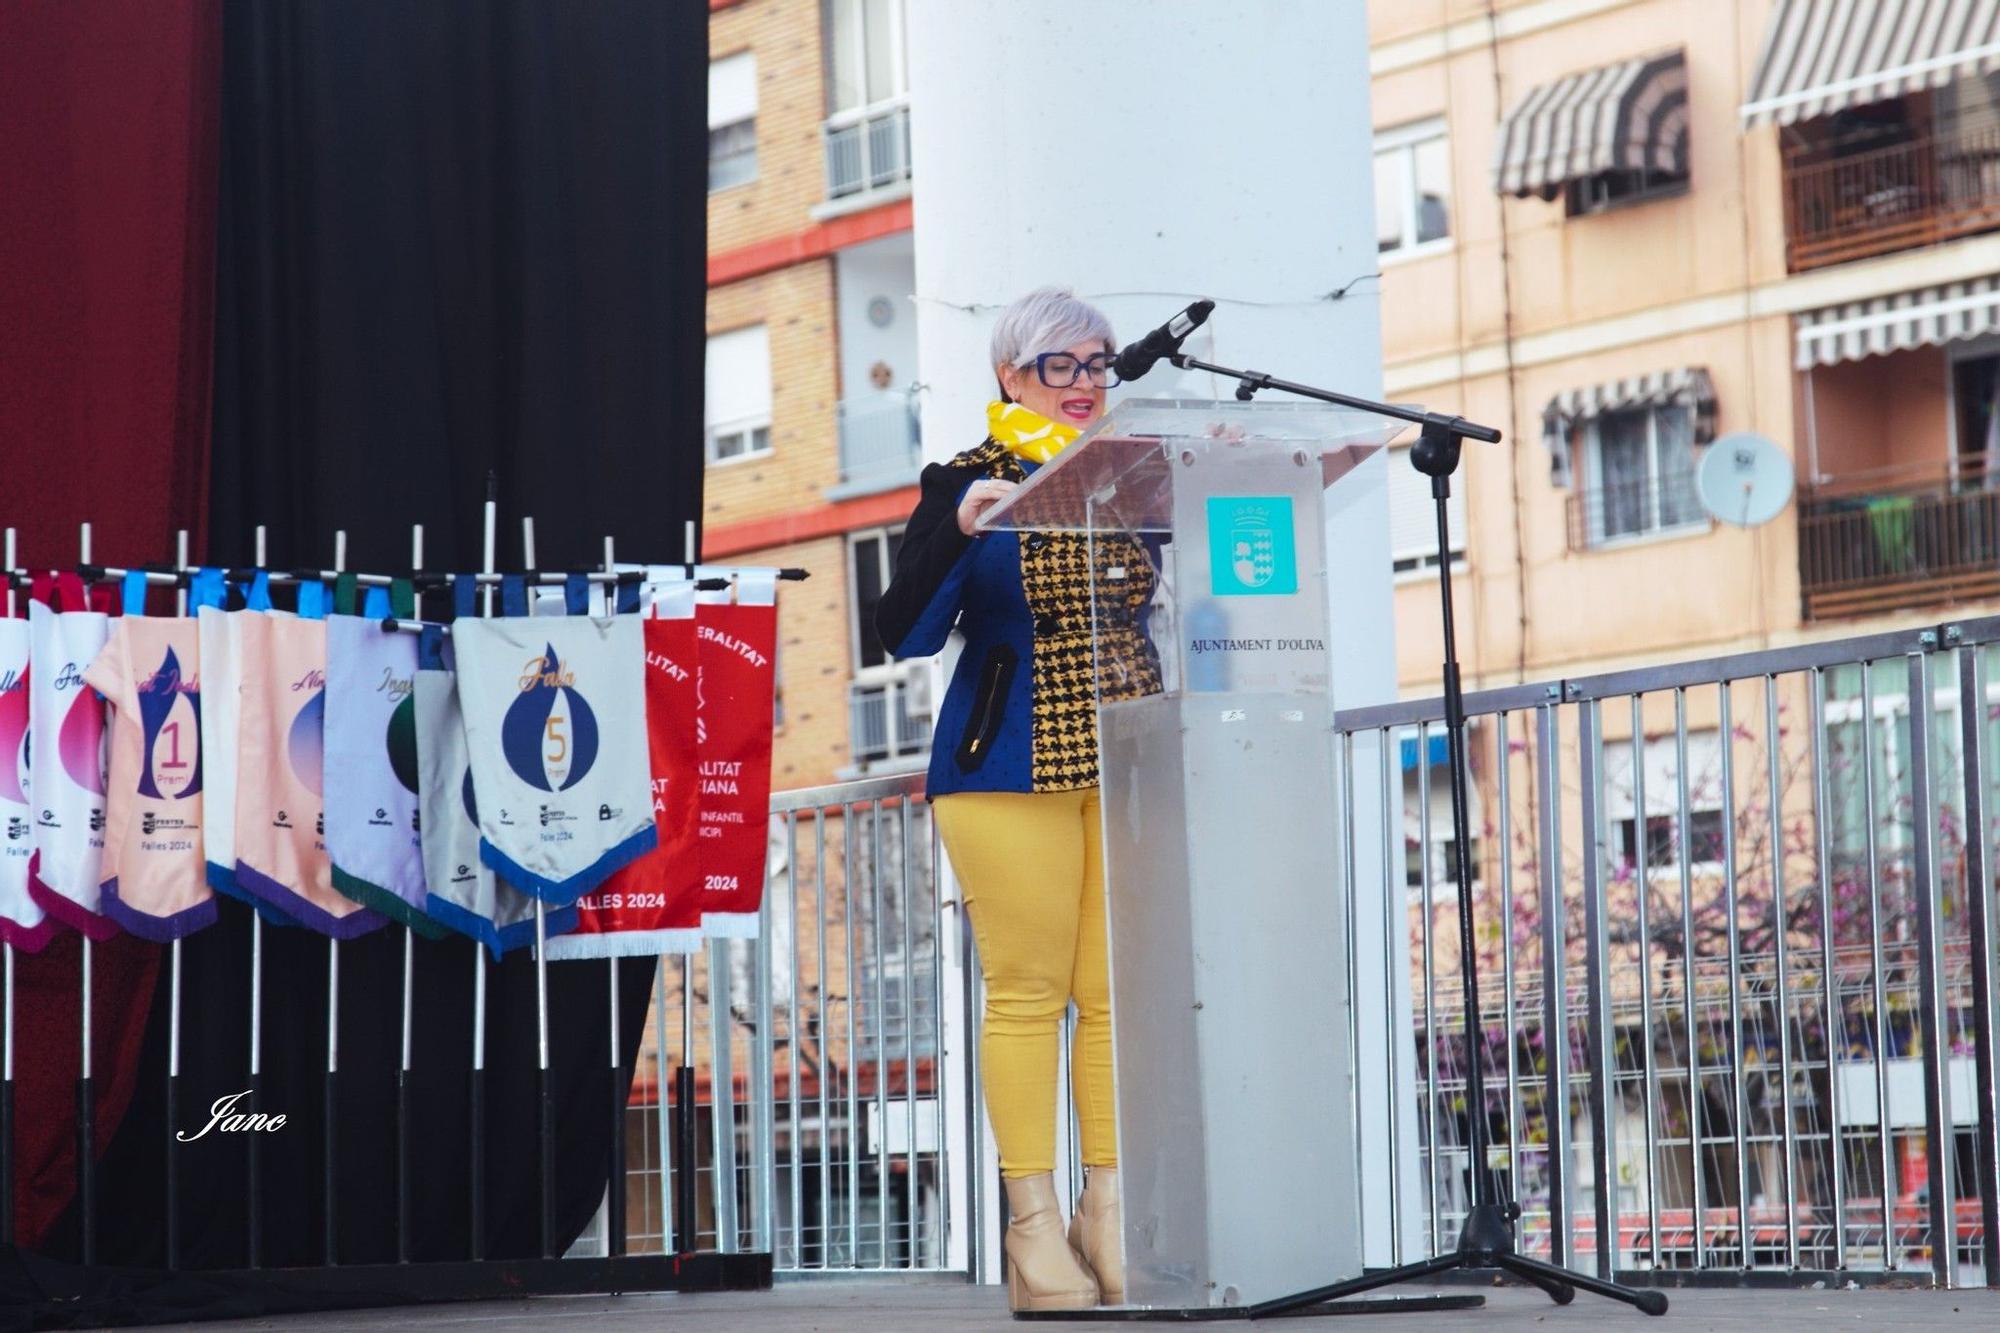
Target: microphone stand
[(1486, 1240)]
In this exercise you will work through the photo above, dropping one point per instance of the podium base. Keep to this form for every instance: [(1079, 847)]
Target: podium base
[(1373, 1305)]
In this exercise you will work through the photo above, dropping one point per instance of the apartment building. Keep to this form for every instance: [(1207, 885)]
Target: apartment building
[(1623, 229), (811, 421)]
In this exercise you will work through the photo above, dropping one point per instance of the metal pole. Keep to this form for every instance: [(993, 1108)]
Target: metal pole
[(1643, 878), (1884, 1135), (253, 1149), (1697, 1168), (332, 1184), (1726, 730), (545, 1155), (1343, 768), (722, 1091), (172, 1164), (1979, 903), (1397, 924), (475, 1136), (404, 1092), (615, 1219), (1932, 1000), (1603, 1043), (1781, 925), (1555, 1019), (826, 1070), (881, 1024), (1432, 1093), (86, 1092), (847, 817), (1836, 1040), (794, 1133), (912, 1203), (939, 1097), (1503, 762)]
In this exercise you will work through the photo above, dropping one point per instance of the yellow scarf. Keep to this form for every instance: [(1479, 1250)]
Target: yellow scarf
[(1028, 435)]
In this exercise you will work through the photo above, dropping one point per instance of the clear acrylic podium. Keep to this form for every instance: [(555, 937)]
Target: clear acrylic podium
[(1226, 884)]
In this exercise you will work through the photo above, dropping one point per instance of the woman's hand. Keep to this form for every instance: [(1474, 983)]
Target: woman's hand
[(979, 497)]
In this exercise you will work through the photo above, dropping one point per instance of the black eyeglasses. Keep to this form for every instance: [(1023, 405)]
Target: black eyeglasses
[(1059, 370)]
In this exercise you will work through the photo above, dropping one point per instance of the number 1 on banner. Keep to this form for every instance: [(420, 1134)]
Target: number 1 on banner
[(174, 760)]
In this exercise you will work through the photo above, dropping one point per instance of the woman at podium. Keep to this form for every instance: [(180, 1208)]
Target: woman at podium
[(1013, 776)]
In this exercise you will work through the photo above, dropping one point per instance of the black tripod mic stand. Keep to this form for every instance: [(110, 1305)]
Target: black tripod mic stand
[(1486, 1241)]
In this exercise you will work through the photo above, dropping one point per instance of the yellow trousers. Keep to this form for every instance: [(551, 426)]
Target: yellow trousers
[(1031, 869)]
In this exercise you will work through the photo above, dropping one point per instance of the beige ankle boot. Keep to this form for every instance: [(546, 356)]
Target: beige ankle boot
[(1097, 1232), (1043, 1272)]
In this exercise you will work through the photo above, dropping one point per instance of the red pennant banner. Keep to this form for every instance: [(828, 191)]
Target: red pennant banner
[(736, 652), (654, 905)]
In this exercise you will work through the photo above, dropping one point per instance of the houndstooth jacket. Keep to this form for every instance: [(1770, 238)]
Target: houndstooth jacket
[(1020, 713)]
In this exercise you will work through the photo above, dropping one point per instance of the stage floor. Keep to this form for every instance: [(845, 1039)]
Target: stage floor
[(941, 1307)]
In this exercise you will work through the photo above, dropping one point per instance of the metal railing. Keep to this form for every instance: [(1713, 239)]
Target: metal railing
[(879, 440), (1738, 983), (867, 148), (1606, 513), (820, 1085), (1758, 1035), (891, 717), (1900, 537), (1842, 204)]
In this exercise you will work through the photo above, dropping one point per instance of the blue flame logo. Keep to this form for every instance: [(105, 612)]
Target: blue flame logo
[(550, 733)]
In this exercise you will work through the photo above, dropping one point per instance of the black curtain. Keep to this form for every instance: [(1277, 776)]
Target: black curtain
[(459, 237), (212, 1171), (454, 237)]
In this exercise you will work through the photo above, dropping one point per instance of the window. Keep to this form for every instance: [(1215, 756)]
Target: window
[(873, 559), (1443, 846), (1662, 781), (868, 65), (1975, 403), (1412, 187), (889, 700), (738, 387), (1612, 189), (732, 121), (1641, 474), (1413, 518)]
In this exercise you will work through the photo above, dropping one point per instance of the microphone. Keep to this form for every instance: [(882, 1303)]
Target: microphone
[(1137, 358)]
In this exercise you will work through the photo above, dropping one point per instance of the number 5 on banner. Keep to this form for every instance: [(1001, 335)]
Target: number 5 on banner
[(553, 730)]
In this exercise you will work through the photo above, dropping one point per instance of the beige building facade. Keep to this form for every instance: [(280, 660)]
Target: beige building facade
[(1705, 243)]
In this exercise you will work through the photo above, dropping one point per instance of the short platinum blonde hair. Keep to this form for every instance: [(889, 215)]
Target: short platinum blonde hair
[(1048, 319)]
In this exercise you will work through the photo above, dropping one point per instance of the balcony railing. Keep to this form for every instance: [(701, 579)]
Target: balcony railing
[(878, 440), (1609, 513), (1841, 206), (1901, 537), (868, 148), (891, 716)]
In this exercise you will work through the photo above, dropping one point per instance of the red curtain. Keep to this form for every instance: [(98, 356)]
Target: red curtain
[(108, 132)]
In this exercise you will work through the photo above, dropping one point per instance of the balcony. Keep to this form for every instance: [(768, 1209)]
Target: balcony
[(1845, 201), (867, 149), (1901, 537), (891, 715), (879, 447)]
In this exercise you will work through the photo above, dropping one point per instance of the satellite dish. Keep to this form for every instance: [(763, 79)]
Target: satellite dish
[(1745, 479)]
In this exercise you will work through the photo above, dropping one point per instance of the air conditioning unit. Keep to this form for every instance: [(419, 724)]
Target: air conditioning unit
[(917, 691)]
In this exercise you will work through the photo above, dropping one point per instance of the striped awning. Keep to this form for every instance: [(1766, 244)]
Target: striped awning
[(1822, 55), (1926, 317), (1631, 116), (1687, 387)]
